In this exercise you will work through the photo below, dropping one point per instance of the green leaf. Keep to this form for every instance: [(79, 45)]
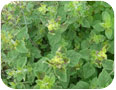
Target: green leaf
[(20, 76), (104, 79), (35, 52), (108, 33), (36, 87), (85, 44), (70, 21), (21, 48), (12, 55), (98, 38), (85, 53), (86, 23), (21, 62), (111, 48), (23, 34), (30, 77), (54, 41), (108, 64), (61, 13), (65, 84), (94, 83), (73, 56), (61, 74), (97, 26), (64, 28), (106, 16), (81, 85), (41, 66), (88, 70)]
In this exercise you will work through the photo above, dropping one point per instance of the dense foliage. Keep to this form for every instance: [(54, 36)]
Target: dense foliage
[(62, 45)]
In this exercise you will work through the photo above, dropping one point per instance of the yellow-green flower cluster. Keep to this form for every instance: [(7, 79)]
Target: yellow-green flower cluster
[(99, 56), (53, 25), (58, 61), (46, 83)]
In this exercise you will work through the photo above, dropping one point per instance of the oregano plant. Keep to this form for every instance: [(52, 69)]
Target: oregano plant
[(57, 44)]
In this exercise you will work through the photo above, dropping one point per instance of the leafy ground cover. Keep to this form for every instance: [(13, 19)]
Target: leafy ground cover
[(57, 45)]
